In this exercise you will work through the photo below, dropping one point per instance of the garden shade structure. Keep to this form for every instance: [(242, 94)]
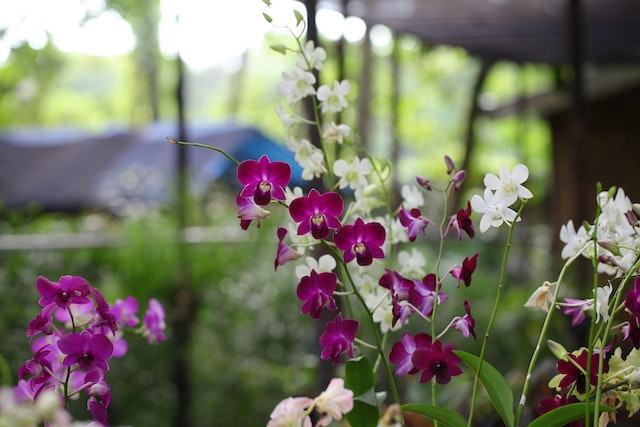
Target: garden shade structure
[(71, 170)]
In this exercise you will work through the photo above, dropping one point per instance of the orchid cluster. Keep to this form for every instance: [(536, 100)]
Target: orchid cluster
[(73, 339), (612, 242), (343, 235)]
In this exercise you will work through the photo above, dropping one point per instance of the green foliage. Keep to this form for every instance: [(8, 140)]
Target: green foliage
[(446, 416), (565, 414), (360, 379)]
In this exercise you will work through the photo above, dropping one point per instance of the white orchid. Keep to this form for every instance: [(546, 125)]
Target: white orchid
[(383, 314), (603, 294), (354, 174), (411, 263), (336, 133), (291, 194), (574, 240), (325, 264), (493, 209), (366, 200), (508, 187), (542, 297), (314, 55), (308, 156), (334, 99), (412, 196), (296, 85)]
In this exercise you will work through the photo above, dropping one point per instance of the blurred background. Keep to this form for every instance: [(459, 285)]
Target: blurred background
[(91, 89)]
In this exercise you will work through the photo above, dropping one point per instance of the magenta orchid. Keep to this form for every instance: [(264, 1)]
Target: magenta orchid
[(316, 292), (423, 294), (153, 322), (284, 253), (248, 211), (317, 213), (465, 272), (466, 323), (263, 179), (338, 337), (436, 361), (362, 241), (68, 290), (460, 222), (402, 352), (86, 350), (413, 221), (574, 375), (125, 312)]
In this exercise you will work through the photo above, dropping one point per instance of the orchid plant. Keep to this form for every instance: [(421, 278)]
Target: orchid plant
[(73, 339), (352, 229)]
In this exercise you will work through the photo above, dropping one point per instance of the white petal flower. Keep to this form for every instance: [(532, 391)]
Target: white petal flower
[(509, 186), (411, 264), (306, 241), (308, 156), (493, 210), (315, 57), (296, 85), (335, 401), (287, 120), (324, 264), (542, 297), (354, 174), (574, 240), (602, 303), (290, 195), (396, 232), (336, 133), (367, 199), (334, 99), (412, 196)]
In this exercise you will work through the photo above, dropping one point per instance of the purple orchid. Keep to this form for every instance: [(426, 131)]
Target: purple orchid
[(263, 179), (458, 179), (249, 211), (284, 253), (437, 361), (399, 287), (104, 320), (37, 370), (631, 331), (466, 323), (361, 240), (100, 399), (423, 294), (403, 350), (317, 213), (153, 322), (576, 308), (337, 338), (413, 221), (573, 375), (449, 163), (465, 272), (460, 222), (316, 292), (69, 290), (125, 312), (632, 301), (424, 183), (42, 323), (87, 350)]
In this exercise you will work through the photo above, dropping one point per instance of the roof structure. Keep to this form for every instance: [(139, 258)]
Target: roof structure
[(536, 31)]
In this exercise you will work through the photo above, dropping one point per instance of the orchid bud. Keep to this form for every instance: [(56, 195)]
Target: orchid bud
[(450, 165), (586, 226), (558, 350), (424, 183), (612, 192), (632, 218), (636, 208), (610, 246), (607, 259), (458, 179)]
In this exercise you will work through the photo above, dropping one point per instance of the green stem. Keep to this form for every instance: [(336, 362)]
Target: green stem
[(485, 340), (208, 147), (605, 337), (592, 324)]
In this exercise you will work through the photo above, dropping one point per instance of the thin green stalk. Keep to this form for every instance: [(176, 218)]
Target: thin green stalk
[(592, 324), (543, 334), (485, 340), (445, 209), (208, 147), (605, 336)]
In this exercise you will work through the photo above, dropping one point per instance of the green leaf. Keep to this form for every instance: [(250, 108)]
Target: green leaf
[(565, 414), (361, 380), (267, 17), (299, 17), (267, 2), (445, 416), (499, 391), (359, 376), (280, 48)]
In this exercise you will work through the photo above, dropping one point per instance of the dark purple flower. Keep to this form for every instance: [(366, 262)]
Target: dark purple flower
[(460, 222), (424, 183), (402, 352), (549, 404), (153, 322), (458, 179), (396, 284), (100, 396), (413, 221), (337, 338), (316, 291), (361, 240), (42, 323), (37, 370), (631, 331), (466, 323), (573, 375), (632, 301), (104, 319), (437, 361), (423, 294), (465, 272), (248, 211), (125, 312), (69, 290), (576, 308), (317, 213), (263, 179), (284, 253), (87, 350)]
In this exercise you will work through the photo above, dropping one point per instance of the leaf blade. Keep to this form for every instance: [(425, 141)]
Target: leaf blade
[(445, 416), (565, 414)]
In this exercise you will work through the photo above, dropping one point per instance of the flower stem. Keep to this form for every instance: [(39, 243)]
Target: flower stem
[(208, 147), (485, 340), (605, 336)]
